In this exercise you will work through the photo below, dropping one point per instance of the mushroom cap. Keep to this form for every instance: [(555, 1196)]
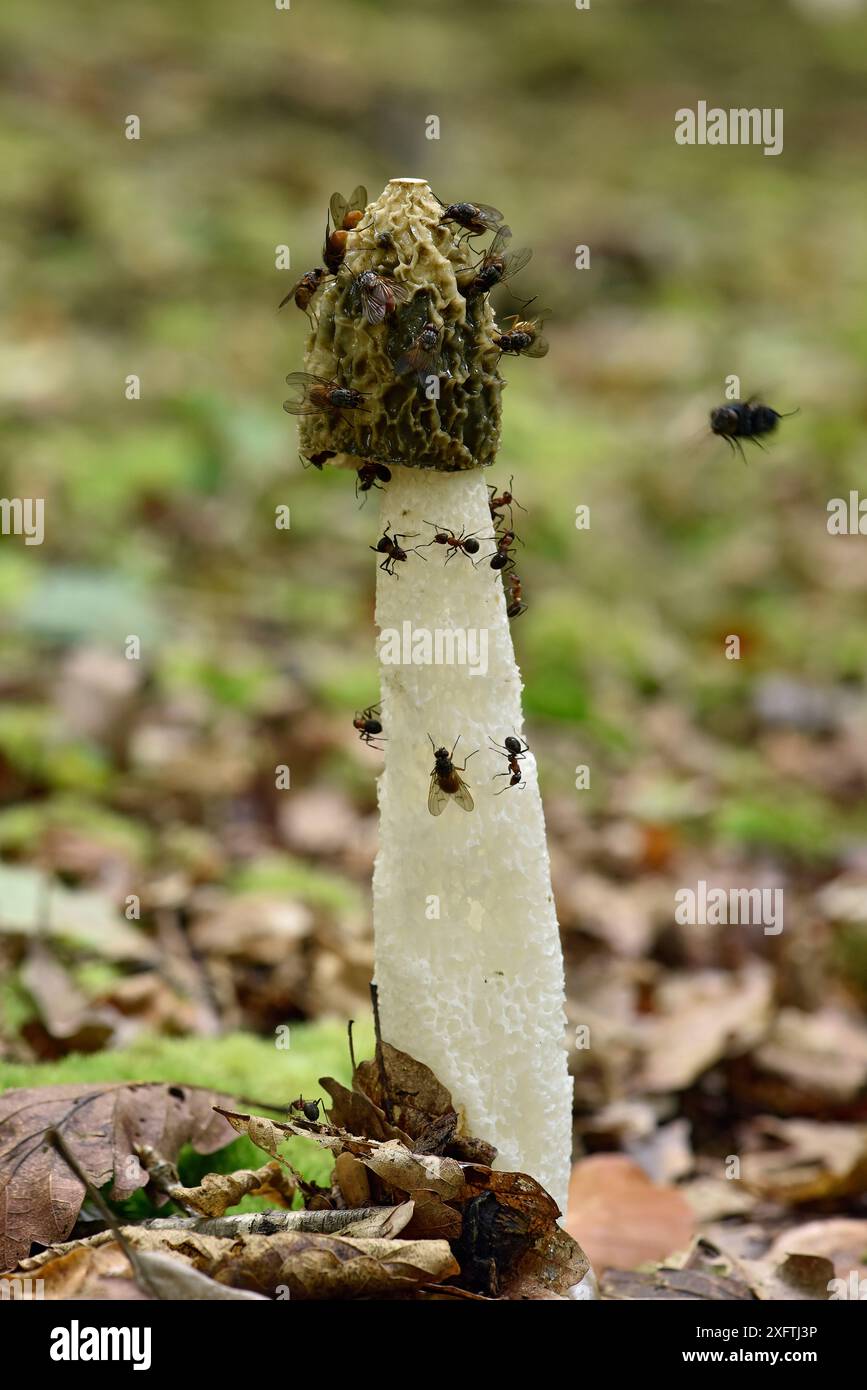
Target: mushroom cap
[(402, 238)]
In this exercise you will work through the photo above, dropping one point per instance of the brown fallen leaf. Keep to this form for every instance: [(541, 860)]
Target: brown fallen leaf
[(840, 1243), (40, 1197), (413, 1096), (620, 1217), (702, 1018), (804, 1161), (808, 1064), (356, 1112), (391, 1160), (432, 1218), (669, 1284), (351, 1177), (286, 1264), (219, 1191), (516, 1190), (400, 1168), (69, 1021)]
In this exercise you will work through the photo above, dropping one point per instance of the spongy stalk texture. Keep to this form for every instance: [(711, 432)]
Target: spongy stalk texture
[(477, 991)]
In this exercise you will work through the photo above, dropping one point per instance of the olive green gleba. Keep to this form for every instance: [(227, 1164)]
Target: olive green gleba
[(367, 333)]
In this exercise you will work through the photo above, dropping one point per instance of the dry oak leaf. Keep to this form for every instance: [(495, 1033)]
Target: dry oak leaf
[(356, 1112), (805, 1161), (702, 1018), (621, 1217), (396, 1165), (40, 1198), (104, 1273), (836, 1247), (295, 1265), (391, 1161), (219, 1191), (415, 1096)]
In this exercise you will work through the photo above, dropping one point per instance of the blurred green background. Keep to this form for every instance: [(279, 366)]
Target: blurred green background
[(156, 257)]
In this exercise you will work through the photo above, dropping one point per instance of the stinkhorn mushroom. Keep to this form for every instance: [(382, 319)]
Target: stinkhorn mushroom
[(403, 386)]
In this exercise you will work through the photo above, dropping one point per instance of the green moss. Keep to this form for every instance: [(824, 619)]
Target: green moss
[(281, 873), (238, 1065)]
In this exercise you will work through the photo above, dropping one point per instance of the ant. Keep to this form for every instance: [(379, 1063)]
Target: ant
[(367, 723), (513, 750), (370, 475), (444, 536), (309, 1109), (501, 558), (515, 605), (506, 499), (391, 548)]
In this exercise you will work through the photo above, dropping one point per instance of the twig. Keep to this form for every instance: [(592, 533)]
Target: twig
[(380, 1060), (59, 1144), (264, 1223)]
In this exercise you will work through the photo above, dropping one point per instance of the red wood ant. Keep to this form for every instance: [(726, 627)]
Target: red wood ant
[(317, 460), (501, 558), (370, 475), (309, 1109), (368, 724), (514, 602), (391, 548), (445, 536), (513, 750), (506, 499)]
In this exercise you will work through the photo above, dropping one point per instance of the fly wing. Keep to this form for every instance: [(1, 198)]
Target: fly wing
[(516, 260), (462, 796), (374, 303), (338, 207), (301, 383), (290, 295), (358, 200), (436, 797), (538, 348), (490, 215), (498, 245)]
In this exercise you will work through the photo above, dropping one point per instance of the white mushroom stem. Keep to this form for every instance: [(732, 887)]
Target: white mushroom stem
[(469, 966)]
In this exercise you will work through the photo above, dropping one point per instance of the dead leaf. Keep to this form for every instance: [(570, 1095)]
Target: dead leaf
[(355, 1112), (703, 1017), (804, 1161), (415, 1095), (32, 904), (219, 1191), (40, 1198), (282, 1265), (620, 1217), (808, 1063), (351, 1177), (400, 1168)]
